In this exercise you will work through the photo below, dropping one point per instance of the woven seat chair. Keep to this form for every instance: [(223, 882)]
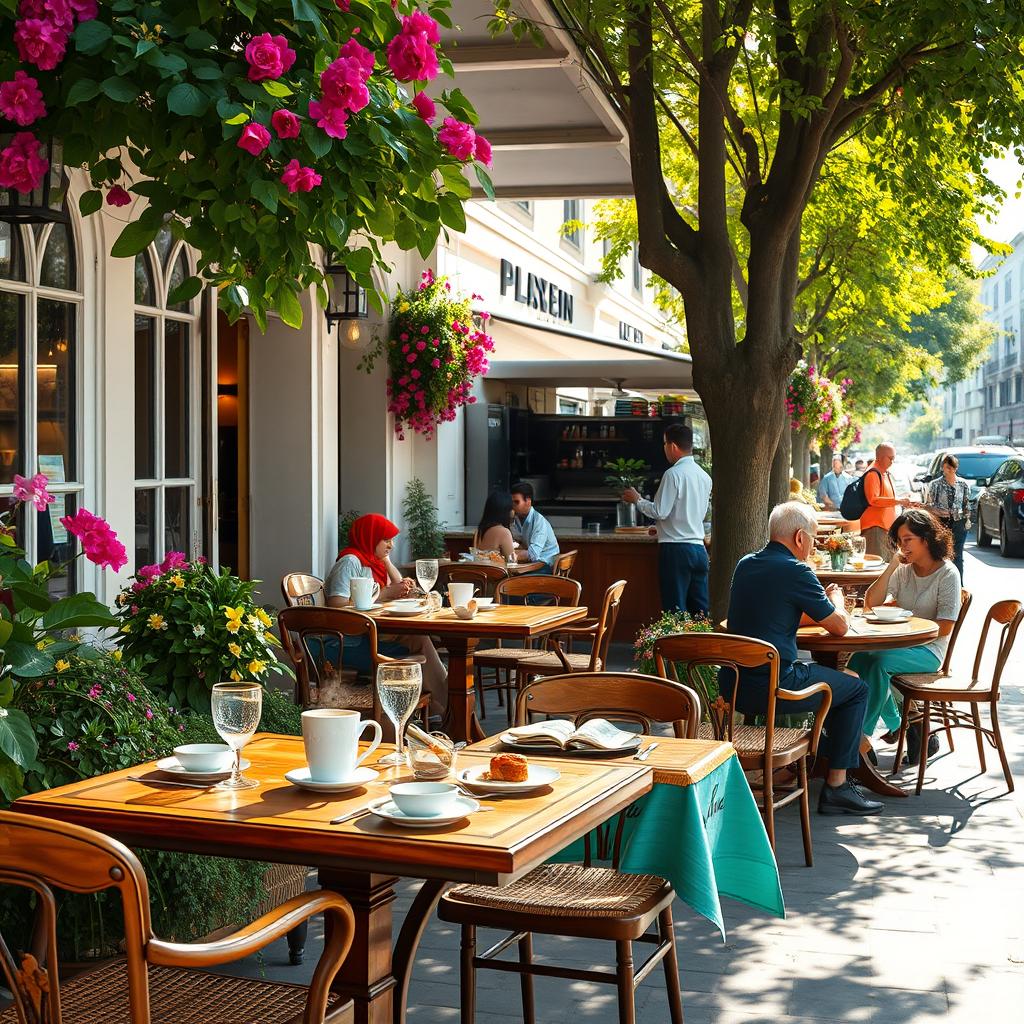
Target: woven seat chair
[(564, 563), (938, 695), (759, 748), (299, 589), (502, 660), (156, 982), (573, 900)]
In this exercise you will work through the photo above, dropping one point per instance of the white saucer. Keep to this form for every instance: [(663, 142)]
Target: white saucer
[(373, 607), (170, 766), (387, 809), (537, 777), (360, 777), (889, 622), (405, 608)]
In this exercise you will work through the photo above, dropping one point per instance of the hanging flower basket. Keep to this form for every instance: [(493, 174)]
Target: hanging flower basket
[(434, 351)]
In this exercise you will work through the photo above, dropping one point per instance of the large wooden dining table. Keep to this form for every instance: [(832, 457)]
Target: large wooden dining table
[(461, 637), (362, 858)]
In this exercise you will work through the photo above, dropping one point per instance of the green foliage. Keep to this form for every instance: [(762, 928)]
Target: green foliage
[(626, 473), (345, 525), (426, 539), (704, 679), (925, 428)]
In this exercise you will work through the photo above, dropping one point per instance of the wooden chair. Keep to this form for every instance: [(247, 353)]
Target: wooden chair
[(484, 577), (155, 980), (939, 694), (503, 660), (759, 748), (573, 900), (564, 563), (556, 660), (300, 589), (307, 633)]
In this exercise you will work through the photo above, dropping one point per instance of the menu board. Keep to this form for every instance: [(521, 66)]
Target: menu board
[(52, 467)]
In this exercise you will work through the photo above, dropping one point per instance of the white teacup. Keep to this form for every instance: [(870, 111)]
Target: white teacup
[(331, 738), (460, 594), (204, 757), (890, 612), (424, 799), (364, 592)]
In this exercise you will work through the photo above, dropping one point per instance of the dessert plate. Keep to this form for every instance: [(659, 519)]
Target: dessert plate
[(538, 776)]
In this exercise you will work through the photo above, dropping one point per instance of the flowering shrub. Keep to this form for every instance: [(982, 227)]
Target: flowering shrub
[(433, 351), (814, 403), (705, 679), (189, 627), (255, 128)]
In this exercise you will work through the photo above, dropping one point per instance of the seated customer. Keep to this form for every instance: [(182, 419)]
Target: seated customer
[(536, 538), (371, 538), (493, 532), (774, 591), (922, 577)]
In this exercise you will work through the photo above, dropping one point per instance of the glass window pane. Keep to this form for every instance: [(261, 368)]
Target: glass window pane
[(58, 269), (178, 274), (145, 398), (55, 545), (55, 353), (12, 330), (176, 403), (145, 528), (12, 266), (164, 242), (144, 291), (176, 521)]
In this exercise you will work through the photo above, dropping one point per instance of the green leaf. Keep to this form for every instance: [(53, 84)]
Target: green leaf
[(77, 610), (485, 181), (207, 71), (198, 39), (119, 89), (407, 233), (241, 118), (92, 36), (266, 192), (319, 142), (304, 11), (187, 100), (12, 781), (31, 595), (6, 629), (277, 89), (453, 214), (170, 63), (26, 659), (188, 289), (211, 8), (144, 46), (287, 304), (358, 261), (82, 91), (428, 239), (133, 239)]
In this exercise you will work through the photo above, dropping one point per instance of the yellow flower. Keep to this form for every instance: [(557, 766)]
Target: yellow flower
[(404, 307), (264, 618), (116, 654), (256, 666), (61, 665), (178, 580), (235, 649), (235, 677), (126, 628), (42, 644), (233, 613), (156, 621), (234, 625)]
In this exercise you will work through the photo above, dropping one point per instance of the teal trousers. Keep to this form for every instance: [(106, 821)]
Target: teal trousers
[(877, 668)]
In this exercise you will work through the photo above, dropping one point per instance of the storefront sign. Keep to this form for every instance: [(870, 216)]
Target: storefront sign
[(536, 292), (627, 332)]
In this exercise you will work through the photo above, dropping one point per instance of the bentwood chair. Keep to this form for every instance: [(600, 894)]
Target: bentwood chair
[(155, 982), (581, 901), (484, 577), (299, 589), (764, 748), (931, 699), (564, 563)]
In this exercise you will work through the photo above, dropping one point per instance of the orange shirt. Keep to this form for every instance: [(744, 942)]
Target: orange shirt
[(881, 498)]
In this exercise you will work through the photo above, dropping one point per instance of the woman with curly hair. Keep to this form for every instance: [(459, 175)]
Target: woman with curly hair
[(922, 578)]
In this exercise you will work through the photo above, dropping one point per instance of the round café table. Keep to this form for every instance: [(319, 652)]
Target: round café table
[(859, 578)]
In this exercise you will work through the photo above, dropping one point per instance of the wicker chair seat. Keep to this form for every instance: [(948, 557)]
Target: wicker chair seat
[(550, 660), (963, 687), (176, 997), (503, 654), (749, 739), (354, 695)]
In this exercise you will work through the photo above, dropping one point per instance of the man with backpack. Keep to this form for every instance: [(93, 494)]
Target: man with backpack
[(872, 499)]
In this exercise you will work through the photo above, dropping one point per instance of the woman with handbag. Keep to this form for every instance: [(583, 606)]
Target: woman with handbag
[(948, 498)]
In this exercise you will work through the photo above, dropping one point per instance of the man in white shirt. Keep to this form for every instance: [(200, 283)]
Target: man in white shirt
[(678, 509)]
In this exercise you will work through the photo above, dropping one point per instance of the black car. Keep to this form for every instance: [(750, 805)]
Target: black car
[(1001, 509)]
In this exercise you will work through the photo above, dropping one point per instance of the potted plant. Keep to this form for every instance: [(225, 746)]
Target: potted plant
[(626, 473), (838, 546), (704, 680), (426, 539)]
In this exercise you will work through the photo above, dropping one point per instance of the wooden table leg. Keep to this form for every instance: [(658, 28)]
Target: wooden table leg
[(460, 721)]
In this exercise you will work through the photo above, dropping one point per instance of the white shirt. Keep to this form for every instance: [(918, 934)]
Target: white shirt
[(681, 503)]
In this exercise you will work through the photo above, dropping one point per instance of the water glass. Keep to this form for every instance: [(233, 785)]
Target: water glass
[(858, 547), (399, 684), (426, 573), (236, 709)]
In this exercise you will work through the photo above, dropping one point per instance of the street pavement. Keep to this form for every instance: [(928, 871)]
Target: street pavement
[(916, 915)]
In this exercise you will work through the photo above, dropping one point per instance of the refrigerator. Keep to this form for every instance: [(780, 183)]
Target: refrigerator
[(488, 460)]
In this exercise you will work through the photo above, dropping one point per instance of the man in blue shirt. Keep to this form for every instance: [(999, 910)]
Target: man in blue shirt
[(536, 538), (833, 485), (774, 591)]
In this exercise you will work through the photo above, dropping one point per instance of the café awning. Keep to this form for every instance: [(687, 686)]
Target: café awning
[(531, 352)]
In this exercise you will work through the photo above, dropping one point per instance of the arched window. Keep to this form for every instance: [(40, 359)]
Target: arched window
[(40, 324), (166, 406)]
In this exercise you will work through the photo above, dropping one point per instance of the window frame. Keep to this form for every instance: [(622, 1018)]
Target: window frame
[(572, 209)]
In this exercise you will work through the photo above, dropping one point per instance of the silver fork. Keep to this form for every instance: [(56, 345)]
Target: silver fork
[(642, 755)]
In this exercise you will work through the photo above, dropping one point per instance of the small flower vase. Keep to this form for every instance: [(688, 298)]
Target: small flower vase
[(838, 560)]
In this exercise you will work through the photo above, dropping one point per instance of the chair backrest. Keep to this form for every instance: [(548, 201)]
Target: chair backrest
[(483, 576), (564, 563), (965, 604), (621, 696), (301, 589), (1009, 614), (40, 855), (314, 640), (563, 590), (606, 624)]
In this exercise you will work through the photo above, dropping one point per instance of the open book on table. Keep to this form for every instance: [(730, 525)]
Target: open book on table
[(597, 733)]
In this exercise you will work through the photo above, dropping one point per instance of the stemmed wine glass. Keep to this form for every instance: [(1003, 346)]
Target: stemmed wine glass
[(399, 684), (236, 711), (426, 574)]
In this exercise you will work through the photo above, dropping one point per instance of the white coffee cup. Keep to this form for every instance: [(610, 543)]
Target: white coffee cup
[(890, 612), (460, 594), (331, 738), (364, 591)]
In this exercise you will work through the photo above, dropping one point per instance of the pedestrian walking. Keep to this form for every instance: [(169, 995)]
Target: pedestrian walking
[(833, 485), (882, 502), (948, 498)]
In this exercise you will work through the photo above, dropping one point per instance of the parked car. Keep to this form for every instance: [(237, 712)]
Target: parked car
[(1001, 509), (977, 464)]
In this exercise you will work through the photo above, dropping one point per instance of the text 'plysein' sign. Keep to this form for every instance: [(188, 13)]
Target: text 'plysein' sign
[(537, 293)]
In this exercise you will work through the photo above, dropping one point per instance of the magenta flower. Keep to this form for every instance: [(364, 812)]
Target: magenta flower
[(286, 124), (41, 43), (482, 151), (174, 560), (411, 54), (351, 49), (117, 196), (72, 746), (425, 107), (254, 138), (21, 100), (95, 690), (148, 572), (343, 83), (419, 23), (21, 165), (33, 490), (99, 542), (268, 56), (343, 5), (131, 697), (149, 713), (458, 138), (330, 119), (59, 13), (300, 179), (86, 10)]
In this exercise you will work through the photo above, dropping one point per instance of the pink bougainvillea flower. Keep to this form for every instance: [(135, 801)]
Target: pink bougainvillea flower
[(59, 13), (33, 490), (148, 572), (458, 138), (300, 179), (354, 50), (286, 124), (72, 746), (425, 107), (268, 56), (173, 560), (98, 540), (419, 23), (40, 42), (21, 100), (331, 119), (254, 138), (411, 55), (482, 151), (343, 84), (117, 196)]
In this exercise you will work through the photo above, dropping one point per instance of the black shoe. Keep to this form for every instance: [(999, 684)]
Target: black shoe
[(846, 799), (914, 744)]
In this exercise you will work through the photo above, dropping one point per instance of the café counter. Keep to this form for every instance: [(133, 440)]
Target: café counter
[(602, 559)]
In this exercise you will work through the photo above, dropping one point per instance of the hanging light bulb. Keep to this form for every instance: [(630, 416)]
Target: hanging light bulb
[(352, 336)]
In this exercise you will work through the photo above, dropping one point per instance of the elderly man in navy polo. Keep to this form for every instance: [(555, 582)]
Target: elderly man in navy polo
[(774, 591)]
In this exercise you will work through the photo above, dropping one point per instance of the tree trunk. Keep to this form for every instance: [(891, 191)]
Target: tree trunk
[(801, 457), (826, 460), (778, 491)]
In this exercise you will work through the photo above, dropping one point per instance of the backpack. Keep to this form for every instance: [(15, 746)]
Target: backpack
[(854, 503)]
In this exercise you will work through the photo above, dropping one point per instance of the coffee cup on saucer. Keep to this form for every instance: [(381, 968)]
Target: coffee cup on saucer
[(331, 738), (364, 592)]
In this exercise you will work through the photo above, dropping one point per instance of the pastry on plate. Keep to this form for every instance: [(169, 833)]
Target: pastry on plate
[(507, 768)]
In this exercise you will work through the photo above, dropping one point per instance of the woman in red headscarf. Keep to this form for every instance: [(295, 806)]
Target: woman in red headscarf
[(370, 540)]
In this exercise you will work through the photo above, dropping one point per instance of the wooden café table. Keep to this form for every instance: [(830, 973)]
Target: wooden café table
[(360, 858), (461, 636), (519, 569)]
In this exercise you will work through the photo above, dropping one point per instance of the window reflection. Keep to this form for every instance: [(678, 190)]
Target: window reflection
[(144, 290), (145, 398), (58, 268), (145, 528), (178, 274), (55, 356), (12, 266), (176, 522), (12, 329), (176, 404), (164, 242)]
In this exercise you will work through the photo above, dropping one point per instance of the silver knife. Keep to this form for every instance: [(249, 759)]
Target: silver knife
[(645, 753), (357, 813)]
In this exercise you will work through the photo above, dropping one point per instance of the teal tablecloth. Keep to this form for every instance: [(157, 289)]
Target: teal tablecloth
[(707, 839)]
